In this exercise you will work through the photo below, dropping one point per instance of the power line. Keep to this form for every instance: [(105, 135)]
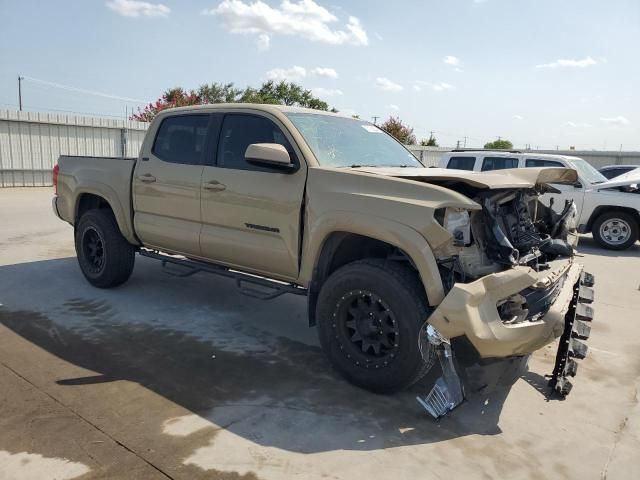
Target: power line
[(82, 90)]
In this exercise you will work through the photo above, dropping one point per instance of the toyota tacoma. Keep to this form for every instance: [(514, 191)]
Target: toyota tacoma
[(403, 266)]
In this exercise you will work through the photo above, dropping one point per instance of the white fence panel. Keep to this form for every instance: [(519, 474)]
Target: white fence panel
[(30, 143)]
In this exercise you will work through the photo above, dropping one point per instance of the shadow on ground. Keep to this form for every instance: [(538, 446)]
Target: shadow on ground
[(284, 395)]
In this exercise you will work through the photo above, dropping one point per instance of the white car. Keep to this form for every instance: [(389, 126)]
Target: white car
[(609, 209)]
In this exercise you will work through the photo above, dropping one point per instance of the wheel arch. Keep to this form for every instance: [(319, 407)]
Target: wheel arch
[(341, 246), (89, 198), (601, 209)]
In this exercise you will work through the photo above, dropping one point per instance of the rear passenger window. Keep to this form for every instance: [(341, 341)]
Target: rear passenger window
[(241, 130), (498, 163), (536, 162), (462, 163), (181, 139)]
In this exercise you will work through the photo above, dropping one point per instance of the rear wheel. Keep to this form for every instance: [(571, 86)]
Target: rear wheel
[(369, 316), (615, 230), (104, 255)]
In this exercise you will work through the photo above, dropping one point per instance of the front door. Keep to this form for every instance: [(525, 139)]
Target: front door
[(166, 185), (251, 214)]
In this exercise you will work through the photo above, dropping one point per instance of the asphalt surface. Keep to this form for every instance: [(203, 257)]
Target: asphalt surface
[(186, 378)]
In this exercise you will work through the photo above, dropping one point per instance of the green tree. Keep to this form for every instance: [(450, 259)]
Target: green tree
[(282, 93), (431, 142), (499, 144), (403, 133)]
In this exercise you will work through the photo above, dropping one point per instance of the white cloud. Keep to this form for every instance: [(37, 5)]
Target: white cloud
[(418, 85), (577, 124), (615, 121), (326, 92), (518, 117), (304, 18), (135, 8), (263, 42), (451, 60), (569, 62), (393, 107), (324, 72), (385, 84), (441, 86), (289, 74)]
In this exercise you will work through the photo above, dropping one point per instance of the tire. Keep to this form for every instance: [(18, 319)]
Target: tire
[(105, 257), (395, 298), (615, 230)]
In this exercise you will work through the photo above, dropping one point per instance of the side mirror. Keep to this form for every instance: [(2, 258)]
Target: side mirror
[(271, 155), (577, 185)]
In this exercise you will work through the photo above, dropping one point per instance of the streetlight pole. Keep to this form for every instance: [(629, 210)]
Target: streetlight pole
[(20, 92)]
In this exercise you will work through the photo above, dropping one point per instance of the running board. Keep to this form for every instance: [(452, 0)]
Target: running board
[(179, 266)]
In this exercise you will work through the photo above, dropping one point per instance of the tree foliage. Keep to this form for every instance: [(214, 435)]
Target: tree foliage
[(499, 144), (281, 93), (431, 142), (403, 133)]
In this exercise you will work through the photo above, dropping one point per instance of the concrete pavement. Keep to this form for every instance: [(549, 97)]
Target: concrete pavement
[(186, 378)]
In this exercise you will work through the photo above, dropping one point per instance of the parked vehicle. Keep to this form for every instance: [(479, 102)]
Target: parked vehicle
[(612, 171), (608, 209), (401, 264)]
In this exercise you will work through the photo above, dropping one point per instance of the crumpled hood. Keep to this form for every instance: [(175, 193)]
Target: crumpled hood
[(629, 178), (509, 178)]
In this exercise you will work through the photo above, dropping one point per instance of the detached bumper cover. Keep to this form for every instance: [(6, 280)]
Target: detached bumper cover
[(470, 309)]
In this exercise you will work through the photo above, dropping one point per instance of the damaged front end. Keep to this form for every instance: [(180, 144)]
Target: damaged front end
[(512, 286)]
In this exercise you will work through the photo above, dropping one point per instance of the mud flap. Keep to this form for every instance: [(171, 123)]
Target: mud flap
[(577, 327)]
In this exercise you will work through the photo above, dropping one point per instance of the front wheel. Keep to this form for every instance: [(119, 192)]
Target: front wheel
[(369, 316), (615, 230), (105, 257)]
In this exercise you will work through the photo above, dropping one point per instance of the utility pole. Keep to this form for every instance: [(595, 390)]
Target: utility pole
[(375, 119), (20, 91), (465, 142), (458, 145)]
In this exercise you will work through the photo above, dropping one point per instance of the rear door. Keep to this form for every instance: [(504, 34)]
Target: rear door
[(251, 214), (167, 184)]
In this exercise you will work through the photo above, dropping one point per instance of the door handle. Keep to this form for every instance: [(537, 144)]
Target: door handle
[(214, 186), (147, 178)]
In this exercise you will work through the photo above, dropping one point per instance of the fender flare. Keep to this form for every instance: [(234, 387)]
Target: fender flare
[(379, 228)]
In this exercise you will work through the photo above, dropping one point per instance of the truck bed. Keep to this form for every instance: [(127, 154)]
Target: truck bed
[(109, 177)]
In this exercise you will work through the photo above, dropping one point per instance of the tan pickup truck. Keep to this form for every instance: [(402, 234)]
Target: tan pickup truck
[(401, 264)]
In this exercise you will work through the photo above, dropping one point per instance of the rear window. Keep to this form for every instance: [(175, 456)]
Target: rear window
[(498, 163), (181, 139), (462, 163), (536, 162)]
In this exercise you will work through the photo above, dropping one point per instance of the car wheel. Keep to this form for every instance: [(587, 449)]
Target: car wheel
[(615, 230), (104, 255), (369, 315)]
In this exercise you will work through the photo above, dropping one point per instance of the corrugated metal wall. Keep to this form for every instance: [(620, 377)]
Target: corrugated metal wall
[(31, 142)]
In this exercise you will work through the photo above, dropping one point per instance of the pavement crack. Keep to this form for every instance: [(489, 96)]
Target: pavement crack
[(86, 420)]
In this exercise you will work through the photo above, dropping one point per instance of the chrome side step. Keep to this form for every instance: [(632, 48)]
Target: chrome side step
[(183, 267)]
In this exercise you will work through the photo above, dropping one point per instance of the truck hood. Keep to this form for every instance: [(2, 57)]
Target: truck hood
[(510, 178), (629, 178)]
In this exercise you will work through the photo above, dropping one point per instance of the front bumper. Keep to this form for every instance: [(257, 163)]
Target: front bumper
[(470, 309)]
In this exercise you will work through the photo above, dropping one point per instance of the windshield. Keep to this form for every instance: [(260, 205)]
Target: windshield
[(346, 142), (586, 171)]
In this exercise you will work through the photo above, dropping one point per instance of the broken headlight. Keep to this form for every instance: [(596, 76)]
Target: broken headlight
[(457, 222)]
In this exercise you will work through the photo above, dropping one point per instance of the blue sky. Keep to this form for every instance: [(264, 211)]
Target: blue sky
[(538, 72)]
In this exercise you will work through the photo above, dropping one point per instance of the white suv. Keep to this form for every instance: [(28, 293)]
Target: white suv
[(609, 209)]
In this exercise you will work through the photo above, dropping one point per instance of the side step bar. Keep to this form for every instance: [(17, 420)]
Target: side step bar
[(183, 267)]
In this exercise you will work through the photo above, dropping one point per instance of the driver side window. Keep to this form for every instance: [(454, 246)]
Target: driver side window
[(241, 130)]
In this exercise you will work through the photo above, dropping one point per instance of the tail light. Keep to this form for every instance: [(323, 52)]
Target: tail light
[(56, 170)]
